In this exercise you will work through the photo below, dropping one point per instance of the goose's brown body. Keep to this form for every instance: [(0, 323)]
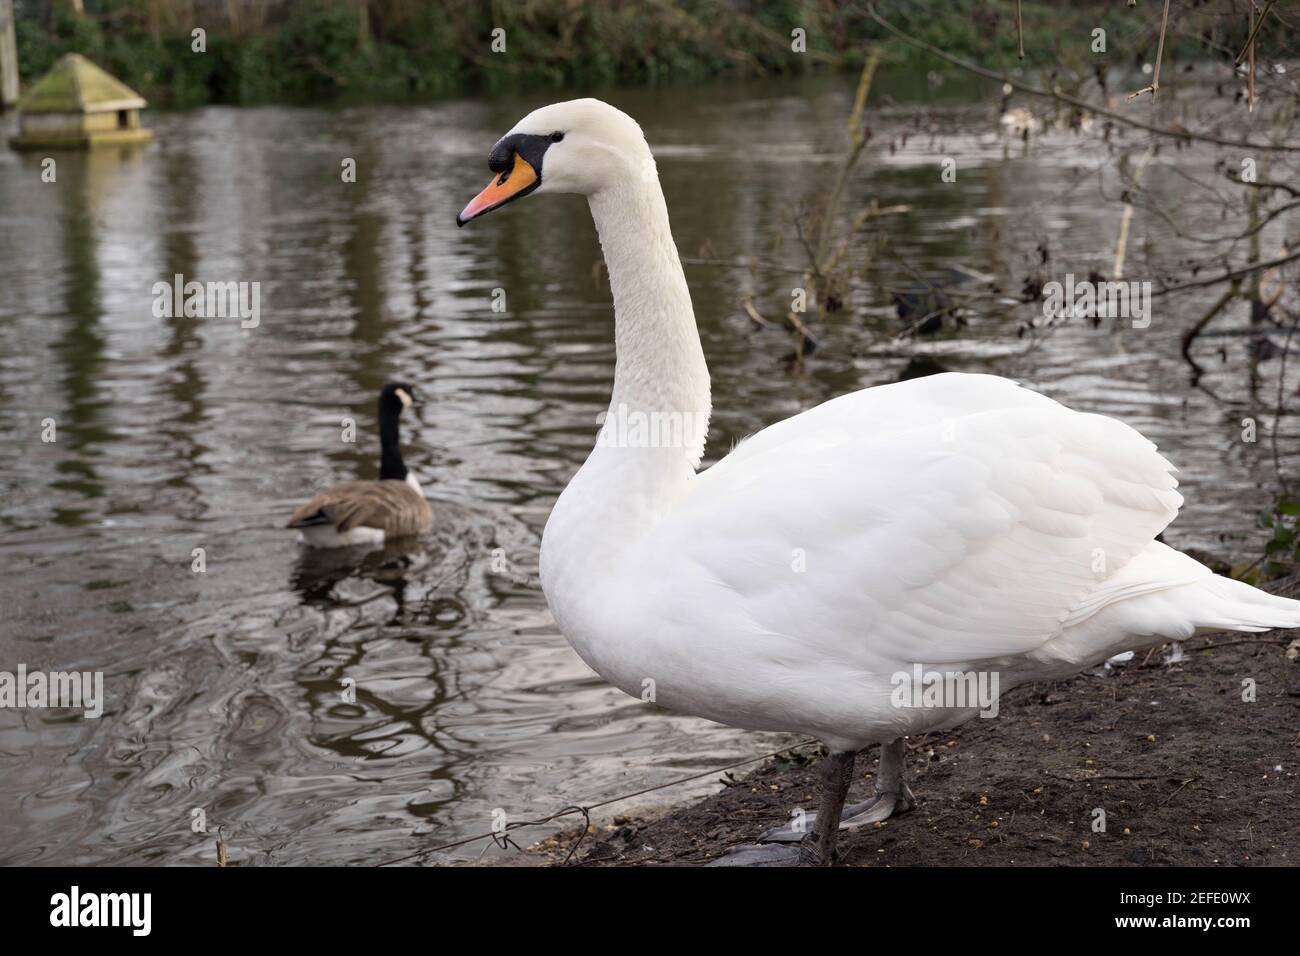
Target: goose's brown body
[(393, 507), (370, 512)]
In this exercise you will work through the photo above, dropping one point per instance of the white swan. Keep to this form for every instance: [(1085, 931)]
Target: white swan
[(958, 523)]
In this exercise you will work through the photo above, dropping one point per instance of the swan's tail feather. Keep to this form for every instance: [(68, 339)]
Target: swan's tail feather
[(1228, 605), (1163, 595)]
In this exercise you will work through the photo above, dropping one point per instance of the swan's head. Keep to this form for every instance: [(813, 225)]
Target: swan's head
[(580, 146)]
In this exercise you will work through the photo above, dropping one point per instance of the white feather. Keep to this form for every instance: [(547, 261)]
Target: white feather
[(326, 536)]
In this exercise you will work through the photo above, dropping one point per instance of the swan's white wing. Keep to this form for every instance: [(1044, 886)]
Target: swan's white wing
[(952, 518), (901, 406)]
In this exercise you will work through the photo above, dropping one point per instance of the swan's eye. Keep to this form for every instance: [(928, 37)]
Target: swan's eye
[(556, 136)]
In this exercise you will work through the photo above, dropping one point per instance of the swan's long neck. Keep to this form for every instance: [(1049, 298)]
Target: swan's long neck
[(653, 436), (660, 366)]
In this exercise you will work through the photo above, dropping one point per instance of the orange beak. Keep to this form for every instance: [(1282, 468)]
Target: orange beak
[(511, 184)]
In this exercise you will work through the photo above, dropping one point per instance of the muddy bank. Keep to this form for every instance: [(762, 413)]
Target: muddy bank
[(1187, 772)]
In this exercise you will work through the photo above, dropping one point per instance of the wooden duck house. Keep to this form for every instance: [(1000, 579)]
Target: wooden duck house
[(77, 105)]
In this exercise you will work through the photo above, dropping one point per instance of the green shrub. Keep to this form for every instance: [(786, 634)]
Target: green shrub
[(316, 48)]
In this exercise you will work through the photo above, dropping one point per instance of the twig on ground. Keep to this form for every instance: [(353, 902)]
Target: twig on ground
[(1178, 791), (1247, 640)]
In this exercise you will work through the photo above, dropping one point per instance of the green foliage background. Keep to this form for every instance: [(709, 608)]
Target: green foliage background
[(295, 50)]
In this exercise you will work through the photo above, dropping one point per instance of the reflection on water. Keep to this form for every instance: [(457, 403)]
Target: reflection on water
[(227, 688)]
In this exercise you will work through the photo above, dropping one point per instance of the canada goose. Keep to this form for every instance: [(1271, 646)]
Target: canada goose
[(954, 523), (370, 512)]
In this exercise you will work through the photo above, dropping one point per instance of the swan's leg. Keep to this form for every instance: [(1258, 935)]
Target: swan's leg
[(817, 847), (893, 797)]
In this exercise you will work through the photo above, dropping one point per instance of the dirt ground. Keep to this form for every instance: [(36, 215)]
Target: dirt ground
[(1186, 771)]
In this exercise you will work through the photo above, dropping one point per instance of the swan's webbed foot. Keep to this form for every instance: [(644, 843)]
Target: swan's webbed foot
[(892, 797), (817, 846), (880, 807), (876, 809), (813, 850), (759, 854)]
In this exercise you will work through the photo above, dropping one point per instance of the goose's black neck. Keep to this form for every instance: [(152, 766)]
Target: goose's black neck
[(391, 465)]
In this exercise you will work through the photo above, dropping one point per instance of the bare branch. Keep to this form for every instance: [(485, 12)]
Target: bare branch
[(1229, 276), (1060, 97), (1121, 247), (1160, 55), (1250, 40), (1190, 335), (1250, 61)]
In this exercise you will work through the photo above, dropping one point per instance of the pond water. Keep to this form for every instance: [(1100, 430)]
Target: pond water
[(223, 686)]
